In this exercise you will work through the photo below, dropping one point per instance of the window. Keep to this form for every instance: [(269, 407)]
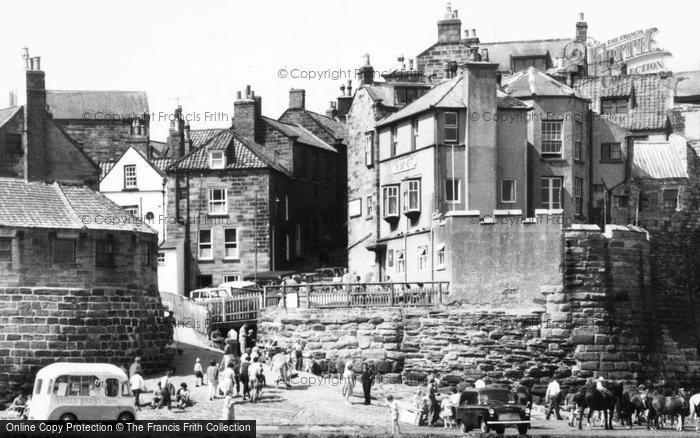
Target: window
[(146, 253), (390, 258), (370, 207), (77, 386), (508, 190), (391, 200), (403, 95), (182, 188), (5, 249), (111, 387), (217, 160), (671, 198), (441, 256), (610, 152), (618, 105), (204, 281), (649, 200), (104, 253), (414, 134), (287, 247), (411, 196), (286, 207), (14, 143), (451, 128), (130, 176), (394, 140), (551, 192), (400, 262), (161, 257), (217, 201), (369, 148), (578, 195), (230, 243), (524, 62), (228, 278), (452, 190), (578, 141), (297, 239), (133, 210), (205, 252), (620, 201), (64, 250), (422, 258), (551, 137)]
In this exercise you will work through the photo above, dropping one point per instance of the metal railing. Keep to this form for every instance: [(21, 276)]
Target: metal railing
[(338, 295)]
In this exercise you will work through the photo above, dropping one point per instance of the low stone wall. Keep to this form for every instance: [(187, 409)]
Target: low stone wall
[(40, 326)]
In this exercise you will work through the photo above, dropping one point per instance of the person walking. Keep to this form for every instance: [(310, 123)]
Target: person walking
[(393, 415), (298, 356), (137, 387), (242, 336), (245, 380), (367, 382), (348, 382), (198, 374), (552, 398), (434, 412), (228, 354), (135, 366), (226, 380), (254, 371), (212, 379)]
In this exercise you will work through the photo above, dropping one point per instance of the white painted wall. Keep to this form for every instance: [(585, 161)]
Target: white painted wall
[(171, 276)]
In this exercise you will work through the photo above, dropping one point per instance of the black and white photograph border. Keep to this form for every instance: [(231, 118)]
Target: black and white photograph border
[(448, 219)]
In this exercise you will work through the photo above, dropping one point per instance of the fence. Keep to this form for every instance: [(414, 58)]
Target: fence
[(334, 295), (187, 313), (241, 308)]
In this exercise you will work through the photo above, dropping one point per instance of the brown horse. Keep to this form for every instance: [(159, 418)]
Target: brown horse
[(590, 398), (674, 406), (632, 404)]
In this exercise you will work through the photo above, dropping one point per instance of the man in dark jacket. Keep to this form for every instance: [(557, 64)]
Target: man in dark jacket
[(367, 382)]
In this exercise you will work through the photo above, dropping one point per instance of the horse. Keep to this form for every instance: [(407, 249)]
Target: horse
[(694, 403), (659, 405), (632, 403), (589, 397)]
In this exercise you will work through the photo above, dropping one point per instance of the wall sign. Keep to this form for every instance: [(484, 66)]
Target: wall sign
[(355, 208), (404, 164), (638, 50)]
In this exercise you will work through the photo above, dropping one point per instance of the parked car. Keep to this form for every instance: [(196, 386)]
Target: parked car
[(489, 409), (338, 271), (209, 293), (81, 391), (328, 275), (238, 287), (268, 278)]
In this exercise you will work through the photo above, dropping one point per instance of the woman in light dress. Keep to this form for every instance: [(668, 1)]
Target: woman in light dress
[(348, 382)]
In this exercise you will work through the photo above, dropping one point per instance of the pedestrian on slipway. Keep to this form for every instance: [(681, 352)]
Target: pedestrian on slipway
[(348, 382), (367, 382), (245, 364), (552, 398), (228, 354), (242, 335), (226, 379), (198, 373), (137, 387), (393, 415), (212, 379), (135, 367)]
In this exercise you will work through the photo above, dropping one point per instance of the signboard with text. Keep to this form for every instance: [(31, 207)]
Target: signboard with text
[(637, 50)]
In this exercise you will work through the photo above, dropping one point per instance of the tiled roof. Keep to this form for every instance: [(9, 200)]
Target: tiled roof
[(40, 205), (240, 153), (80, 105), (162, 163), (105, 167), (532, 82), (201, 136), (302, 135), (378, 92), (648, 94), (7, 113), (335, 128), (660, 160), (447, 94), (158, 148), (501, 52)]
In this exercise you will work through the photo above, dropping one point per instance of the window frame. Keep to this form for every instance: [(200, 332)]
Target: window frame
[(550, 191), (414, 134), (6, 254), (459, 190), (130, 178), (220, 162), (390, 258), (369, 207), (105, 259), (133, 210), (369, 148), (548, 137), (578, 141), (203, 245), (385, 201), (161, 258), (514, 191), (450, 127), (54, 250), (422, 258), (615, 103), (408, 189), (440, 255), (235, 244), (674, 198), (606, 152), (400, 261), (394, 140), (223, 201), (578, 196), (231, 277)]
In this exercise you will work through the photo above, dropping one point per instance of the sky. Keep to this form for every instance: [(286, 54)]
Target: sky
[(200, 53)]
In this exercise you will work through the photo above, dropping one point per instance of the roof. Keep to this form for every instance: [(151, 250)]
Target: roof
[(8, 113), (335, 128), (687, 84), (379, 92), (201, 136), (171, 243), (105, 167), (295, 131), (70, 104), (532, 82), (648, 94), (80, 368), (39, 205), (447, 94), (660, 160), (158, 148), (241, 153), (501, 52), (161, 163)]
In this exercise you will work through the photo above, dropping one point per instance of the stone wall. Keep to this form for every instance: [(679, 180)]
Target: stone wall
[(40, 326), (103, 140)]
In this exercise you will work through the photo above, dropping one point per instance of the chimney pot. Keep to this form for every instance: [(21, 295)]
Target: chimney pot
[(238, 95), (473, 32), (251, 95), (247, 91), (580, 16), (365, 57)]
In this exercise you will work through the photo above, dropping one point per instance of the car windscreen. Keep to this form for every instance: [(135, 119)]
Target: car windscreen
[(498, 395)]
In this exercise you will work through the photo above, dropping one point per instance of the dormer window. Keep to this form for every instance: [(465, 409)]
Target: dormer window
[(217, 160)]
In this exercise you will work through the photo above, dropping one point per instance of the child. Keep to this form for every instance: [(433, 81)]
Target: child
[(198, 376), (183, 396), (394, 415), (19, 405), (156, 396), (212, 379)]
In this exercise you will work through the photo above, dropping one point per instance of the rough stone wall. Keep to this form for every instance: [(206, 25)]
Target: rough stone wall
[(102, 140), (432, 61), (40, 326), (12, 159)]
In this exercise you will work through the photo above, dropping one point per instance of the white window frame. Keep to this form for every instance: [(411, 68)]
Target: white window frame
[(552, 132), (161, 257), (204, 245), (414, 134), (133, 210), (551, 204), (394, 189), (400, 261), (422, 258), (440, 256), (217, 202), (454, 186), (231, 277), (514, 191), (411, 186), (130, 180), (394, 140), (451, 127), (578, 141), (369, 149), (390, 258), (578, 195), (233, 245), (218, 162), (370, 207)]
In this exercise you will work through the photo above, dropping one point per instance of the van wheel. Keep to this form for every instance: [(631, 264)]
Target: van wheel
[(67, 418), (522, 429), (125, 416), (463, 427), (483, 427)]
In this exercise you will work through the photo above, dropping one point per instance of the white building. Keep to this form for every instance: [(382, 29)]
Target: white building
[(137, 184)]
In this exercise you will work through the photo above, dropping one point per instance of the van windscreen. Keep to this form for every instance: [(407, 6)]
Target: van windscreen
[(37, 386)]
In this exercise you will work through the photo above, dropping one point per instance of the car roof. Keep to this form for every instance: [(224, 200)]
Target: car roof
[(238, 284), (80, 369)]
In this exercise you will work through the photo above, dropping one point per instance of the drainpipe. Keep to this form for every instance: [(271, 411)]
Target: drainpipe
[(590, 163)]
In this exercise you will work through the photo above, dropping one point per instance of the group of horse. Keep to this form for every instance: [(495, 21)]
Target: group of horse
[(657, 406)]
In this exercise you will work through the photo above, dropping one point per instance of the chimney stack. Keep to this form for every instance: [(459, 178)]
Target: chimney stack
[(176, 136), (349, 87), (366, 73), (581, 29), (246, 114), (344, 100), (297, 98), (34, 118), (331, 112), (470, 38), (450, 27)]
